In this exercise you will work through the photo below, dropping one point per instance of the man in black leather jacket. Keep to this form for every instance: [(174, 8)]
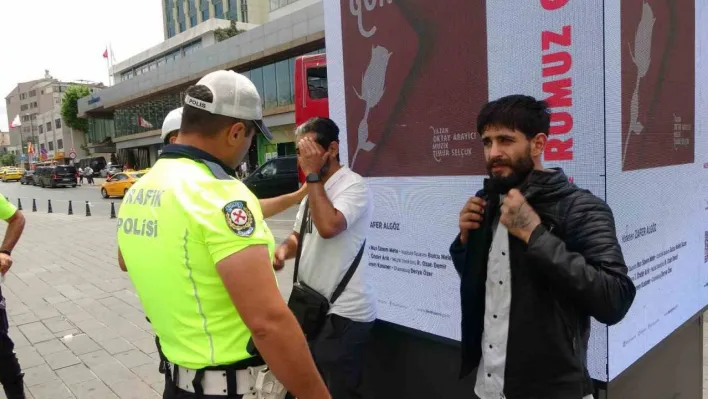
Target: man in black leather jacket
[(537, 257)]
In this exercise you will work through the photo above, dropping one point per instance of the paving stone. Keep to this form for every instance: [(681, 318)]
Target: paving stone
[(76, 374), (135, 389), (97, 358), (36, 332), (49, 347), (61, 359), (28, 357), (116, 345), (81, 344), (38, 375), (133, 358), (55, 389), (149, 373), (93, 389), (56, 324), (113, 373), (24, 318), (146, 345)]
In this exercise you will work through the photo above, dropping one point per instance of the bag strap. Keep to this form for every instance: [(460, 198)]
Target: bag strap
[(301, 239), (348, 276)]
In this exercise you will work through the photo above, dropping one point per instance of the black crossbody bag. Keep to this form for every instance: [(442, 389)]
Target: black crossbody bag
[(309, 306)]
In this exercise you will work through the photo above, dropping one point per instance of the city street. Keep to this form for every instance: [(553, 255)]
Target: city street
[(77, 324), (60, 197)]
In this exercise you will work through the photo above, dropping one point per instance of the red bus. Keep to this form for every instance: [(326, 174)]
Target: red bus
[(311, 98)]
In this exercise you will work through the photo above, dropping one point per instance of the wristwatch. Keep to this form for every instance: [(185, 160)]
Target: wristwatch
[(313, 178)]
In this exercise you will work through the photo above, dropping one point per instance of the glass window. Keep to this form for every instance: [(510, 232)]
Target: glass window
[(193, 19), (49, 126), (41, 129), (205, 15), (285, 87), (317, 82), (182, 26), (244, 10), (51, 146), (274, 4), (218, 9), (257, 79), (60, 144), (270, 86), (233, 14), (269, 169), (57, 123)]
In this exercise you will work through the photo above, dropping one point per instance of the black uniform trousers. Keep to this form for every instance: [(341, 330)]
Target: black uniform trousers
[(339, 351), (11, 375)]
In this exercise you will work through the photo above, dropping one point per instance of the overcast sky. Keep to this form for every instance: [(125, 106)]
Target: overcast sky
[(68, 38)]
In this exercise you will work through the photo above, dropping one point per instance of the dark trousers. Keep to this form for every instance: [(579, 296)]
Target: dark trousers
[(339, 351), (11, 375)]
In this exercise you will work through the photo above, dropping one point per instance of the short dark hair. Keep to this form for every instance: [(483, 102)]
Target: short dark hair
[(516, 112), (204, 122), (326, 130), (170, 135)]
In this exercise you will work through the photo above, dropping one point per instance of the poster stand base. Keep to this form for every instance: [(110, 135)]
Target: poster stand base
[(671, 369), (403, 363)]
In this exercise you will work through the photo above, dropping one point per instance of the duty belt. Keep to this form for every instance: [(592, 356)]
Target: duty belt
[(256, 382)]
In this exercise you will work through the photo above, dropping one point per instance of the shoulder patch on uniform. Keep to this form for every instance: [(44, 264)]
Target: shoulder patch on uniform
[(239, 218)]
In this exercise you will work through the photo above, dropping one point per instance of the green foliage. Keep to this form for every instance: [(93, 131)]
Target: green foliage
[(225, 33), (8, 159), (69, 108)]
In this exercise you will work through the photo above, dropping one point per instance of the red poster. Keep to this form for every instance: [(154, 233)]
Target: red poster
[(411, 108), (658, 83)]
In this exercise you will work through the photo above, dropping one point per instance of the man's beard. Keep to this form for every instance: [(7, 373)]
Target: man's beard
[(520, 169)]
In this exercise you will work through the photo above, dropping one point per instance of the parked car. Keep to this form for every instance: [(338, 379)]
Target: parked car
[(118, 185), (27, 177), (11, 173), (111, 169), (55, 176), (275, 177)]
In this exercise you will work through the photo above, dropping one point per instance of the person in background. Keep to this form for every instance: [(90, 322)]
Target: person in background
[(88, 172), (537, 257), (170, 126), (80, 173), (339, 209), (11, 375)]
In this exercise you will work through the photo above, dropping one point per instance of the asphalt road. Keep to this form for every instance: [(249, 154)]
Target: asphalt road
[(60, 197)]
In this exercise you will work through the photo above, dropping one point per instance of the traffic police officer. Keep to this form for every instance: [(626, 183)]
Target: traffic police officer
[(11, 375), (195, 244)]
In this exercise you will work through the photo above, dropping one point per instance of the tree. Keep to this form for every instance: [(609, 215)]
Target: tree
[(225, 33), (69, 108), (8, 159)]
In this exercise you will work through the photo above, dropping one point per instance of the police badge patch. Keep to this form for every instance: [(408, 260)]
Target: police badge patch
[(239, 218)]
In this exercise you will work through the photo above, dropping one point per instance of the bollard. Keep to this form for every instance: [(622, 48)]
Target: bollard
[(34, 205), (49, 206), (113, 211), (71, 211), (88, 210), (19, 205)]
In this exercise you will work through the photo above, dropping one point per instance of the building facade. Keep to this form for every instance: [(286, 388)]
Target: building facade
[(172, 49), (181, 15), (38, 105), (129, 115)]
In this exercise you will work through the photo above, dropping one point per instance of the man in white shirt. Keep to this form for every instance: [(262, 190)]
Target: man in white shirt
[(340, 211)]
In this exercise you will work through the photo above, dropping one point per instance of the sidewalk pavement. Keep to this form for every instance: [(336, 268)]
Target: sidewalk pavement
[(77, 324)]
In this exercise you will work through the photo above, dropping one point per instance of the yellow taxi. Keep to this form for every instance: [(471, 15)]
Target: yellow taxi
[(120, 183), (11, 174)]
